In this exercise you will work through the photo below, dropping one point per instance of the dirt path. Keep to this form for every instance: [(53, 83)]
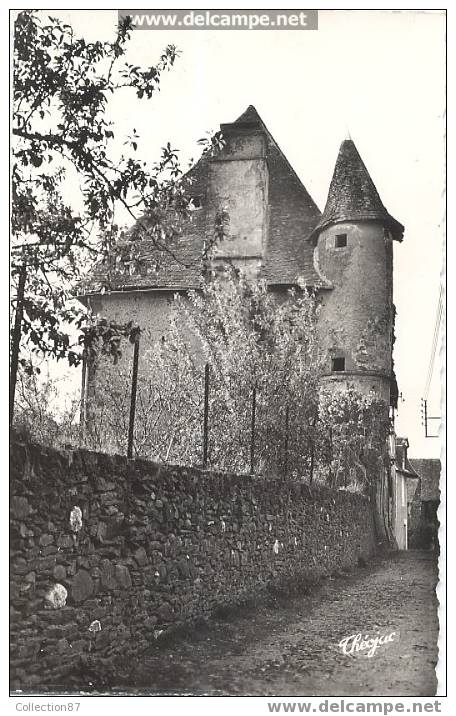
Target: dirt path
[(293, 649)]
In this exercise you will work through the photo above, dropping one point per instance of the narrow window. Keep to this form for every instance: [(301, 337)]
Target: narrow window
[(338, 365), (195, 203), (341, 241)]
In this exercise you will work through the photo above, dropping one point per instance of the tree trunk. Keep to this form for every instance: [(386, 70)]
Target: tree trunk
[(16, 338)]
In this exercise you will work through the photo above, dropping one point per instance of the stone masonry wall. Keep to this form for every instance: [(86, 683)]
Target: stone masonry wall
[(106, 553)]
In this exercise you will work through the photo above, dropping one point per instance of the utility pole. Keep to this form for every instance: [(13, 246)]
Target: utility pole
[(425, 418)]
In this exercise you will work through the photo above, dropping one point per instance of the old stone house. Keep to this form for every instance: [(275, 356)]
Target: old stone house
[(424, 501), (276, 232), (403, 478)]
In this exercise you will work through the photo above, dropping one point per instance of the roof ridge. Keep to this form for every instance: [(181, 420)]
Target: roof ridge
[(252, 113)]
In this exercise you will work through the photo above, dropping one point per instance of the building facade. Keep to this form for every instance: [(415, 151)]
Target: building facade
[(424, 503), (403, 479), (273, 230)]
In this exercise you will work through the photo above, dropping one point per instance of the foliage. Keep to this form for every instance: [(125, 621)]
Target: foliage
[(250, 341), (303, 428), (40, 415), (353, 435), (168, 405), (63, 141)]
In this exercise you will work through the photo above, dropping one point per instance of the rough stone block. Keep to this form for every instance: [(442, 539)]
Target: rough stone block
[(141, 557), (20, 507), (122, 575), (59, 573), (108, 579), (65, 541), (81, 586)]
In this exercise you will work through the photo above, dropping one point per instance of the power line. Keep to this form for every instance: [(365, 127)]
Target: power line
[(435, 338), (433, 350)]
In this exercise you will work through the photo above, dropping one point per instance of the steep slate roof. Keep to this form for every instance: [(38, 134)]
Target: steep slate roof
[(182, 272), (352, 195), (429, 472), (288, 255), (413, 488)]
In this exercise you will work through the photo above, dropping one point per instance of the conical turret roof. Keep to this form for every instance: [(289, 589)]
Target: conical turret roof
[(353, 196)]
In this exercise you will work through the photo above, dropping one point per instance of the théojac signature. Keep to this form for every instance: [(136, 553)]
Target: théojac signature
[(356, 642)]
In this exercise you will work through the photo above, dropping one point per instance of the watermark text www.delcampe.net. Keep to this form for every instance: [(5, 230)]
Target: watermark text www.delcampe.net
[(347, 706), (223, 19)]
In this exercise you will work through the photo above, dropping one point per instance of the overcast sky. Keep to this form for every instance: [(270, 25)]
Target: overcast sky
[(379, 75)]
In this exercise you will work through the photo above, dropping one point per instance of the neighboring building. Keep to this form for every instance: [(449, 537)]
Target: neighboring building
[(276, 232), (424, 525), (413, 508), (402, 476)]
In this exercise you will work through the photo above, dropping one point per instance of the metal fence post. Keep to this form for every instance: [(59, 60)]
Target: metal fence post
[(252, 433), (134, 385), (82, 414), (312, 457), (287, 417), (313, 440), (206, 415), (330, 456)]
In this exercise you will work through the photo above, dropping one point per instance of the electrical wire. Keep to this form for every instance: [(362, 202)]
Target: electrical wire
[(435, 339)]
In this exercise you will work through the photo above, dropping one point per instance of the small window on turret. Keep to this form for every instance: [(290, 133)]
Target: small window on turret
[(338, 365), (341, 241), (195, 203)]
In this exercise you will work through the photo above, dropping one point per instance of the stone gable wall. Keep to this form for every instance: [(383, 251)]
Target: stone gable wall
[(107, 553)]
